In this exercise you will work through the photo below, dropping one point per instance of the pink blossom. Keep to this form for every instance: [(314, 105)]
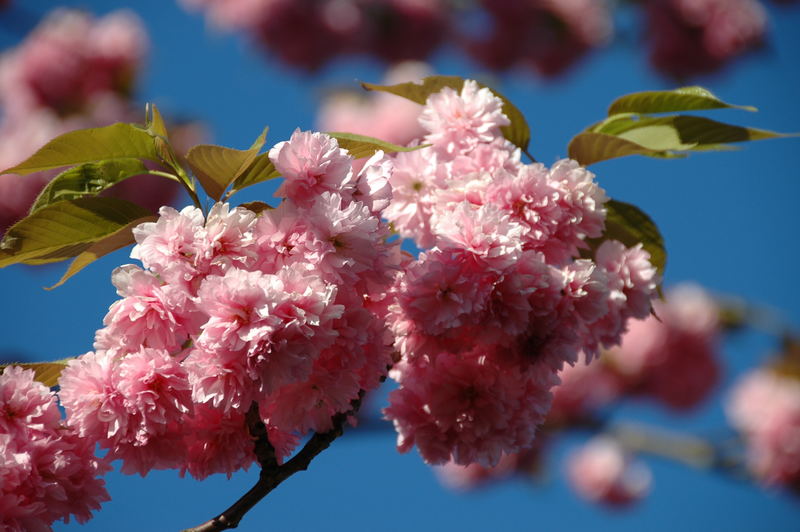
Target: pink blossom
[(673, 357), (586, 387), (602, 472), (47, 472), (70, 59), (457, 122), (25, 404), (151, 314), (765, 407), (485, 233), (130, 406), (415, 179), (311, 163), (171, 246), (691, 37), (471, 407), (632, 282), (216, 442)]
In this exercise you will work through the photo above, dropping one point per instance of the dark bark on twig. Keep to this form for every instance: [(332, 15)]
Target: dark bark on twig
[(273, 474)]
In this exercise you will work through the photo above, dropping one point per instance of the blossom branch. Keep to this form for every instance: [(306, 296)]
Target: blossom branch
[(272, 474)]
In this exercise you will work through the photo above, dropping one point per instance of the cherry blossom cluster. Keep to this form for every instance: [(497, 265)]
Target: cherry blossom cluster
[(72, 72), (489, 314), (765, 407), (282, 310), (684, 37), (671, 356), (691, 37), (48, 471)]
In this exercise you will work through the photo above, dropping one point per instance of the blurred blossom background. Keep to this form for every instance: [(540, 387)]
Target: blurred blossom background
[(708, 393)]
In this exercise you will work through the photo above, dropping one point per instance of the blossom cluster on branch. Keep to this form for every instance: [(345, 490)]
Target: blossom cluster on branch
[(685, 38), (248, 328)]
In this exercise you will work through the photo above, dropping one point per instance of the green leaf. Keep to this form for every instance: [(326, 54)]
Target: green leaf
[(517, 132), (589, 148), (155, 124), (682, 99), (682, 132), (66, 229), (630, 225), (216, 167), (260, 170), (116, 240), (45, 372), (90, 145), (87, 179), (362, 146)]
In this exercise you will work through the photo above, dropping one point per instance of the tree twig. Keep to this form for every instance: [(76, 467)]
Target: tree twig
[(272, 474)]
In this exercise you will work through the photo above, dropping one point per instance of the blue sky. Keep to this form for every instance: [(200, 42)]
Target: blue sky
[(729, 222)]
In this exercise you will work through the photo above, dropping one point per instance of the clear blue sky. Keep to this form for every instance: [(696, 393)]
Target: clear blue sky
[(729, 220)]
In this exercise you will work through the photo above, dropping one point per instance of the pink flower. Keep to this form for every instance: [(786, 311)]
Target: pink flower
[(311, 163), (416, 177), (129, 407), (765, 407), (151, 314), (585, 388), (486, 233), (673, 357), (469, 407), (601, 472), (216, 442), (47, 472), (457, 122), (691, 37), (25, 404), (171, 246)]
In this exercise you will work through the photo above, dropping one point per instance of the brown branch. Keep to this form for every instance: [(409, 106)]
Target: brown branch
[(272, 474)]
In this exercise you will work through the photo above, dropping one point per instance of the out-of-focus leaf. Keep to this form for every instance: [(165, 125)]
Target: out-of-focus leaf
[(114, 241), (517, 132), (87, 179), (45, 372), (362, 146), (216, 167), (116, 141), (261, 169), (682, 99), (66, 229)]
